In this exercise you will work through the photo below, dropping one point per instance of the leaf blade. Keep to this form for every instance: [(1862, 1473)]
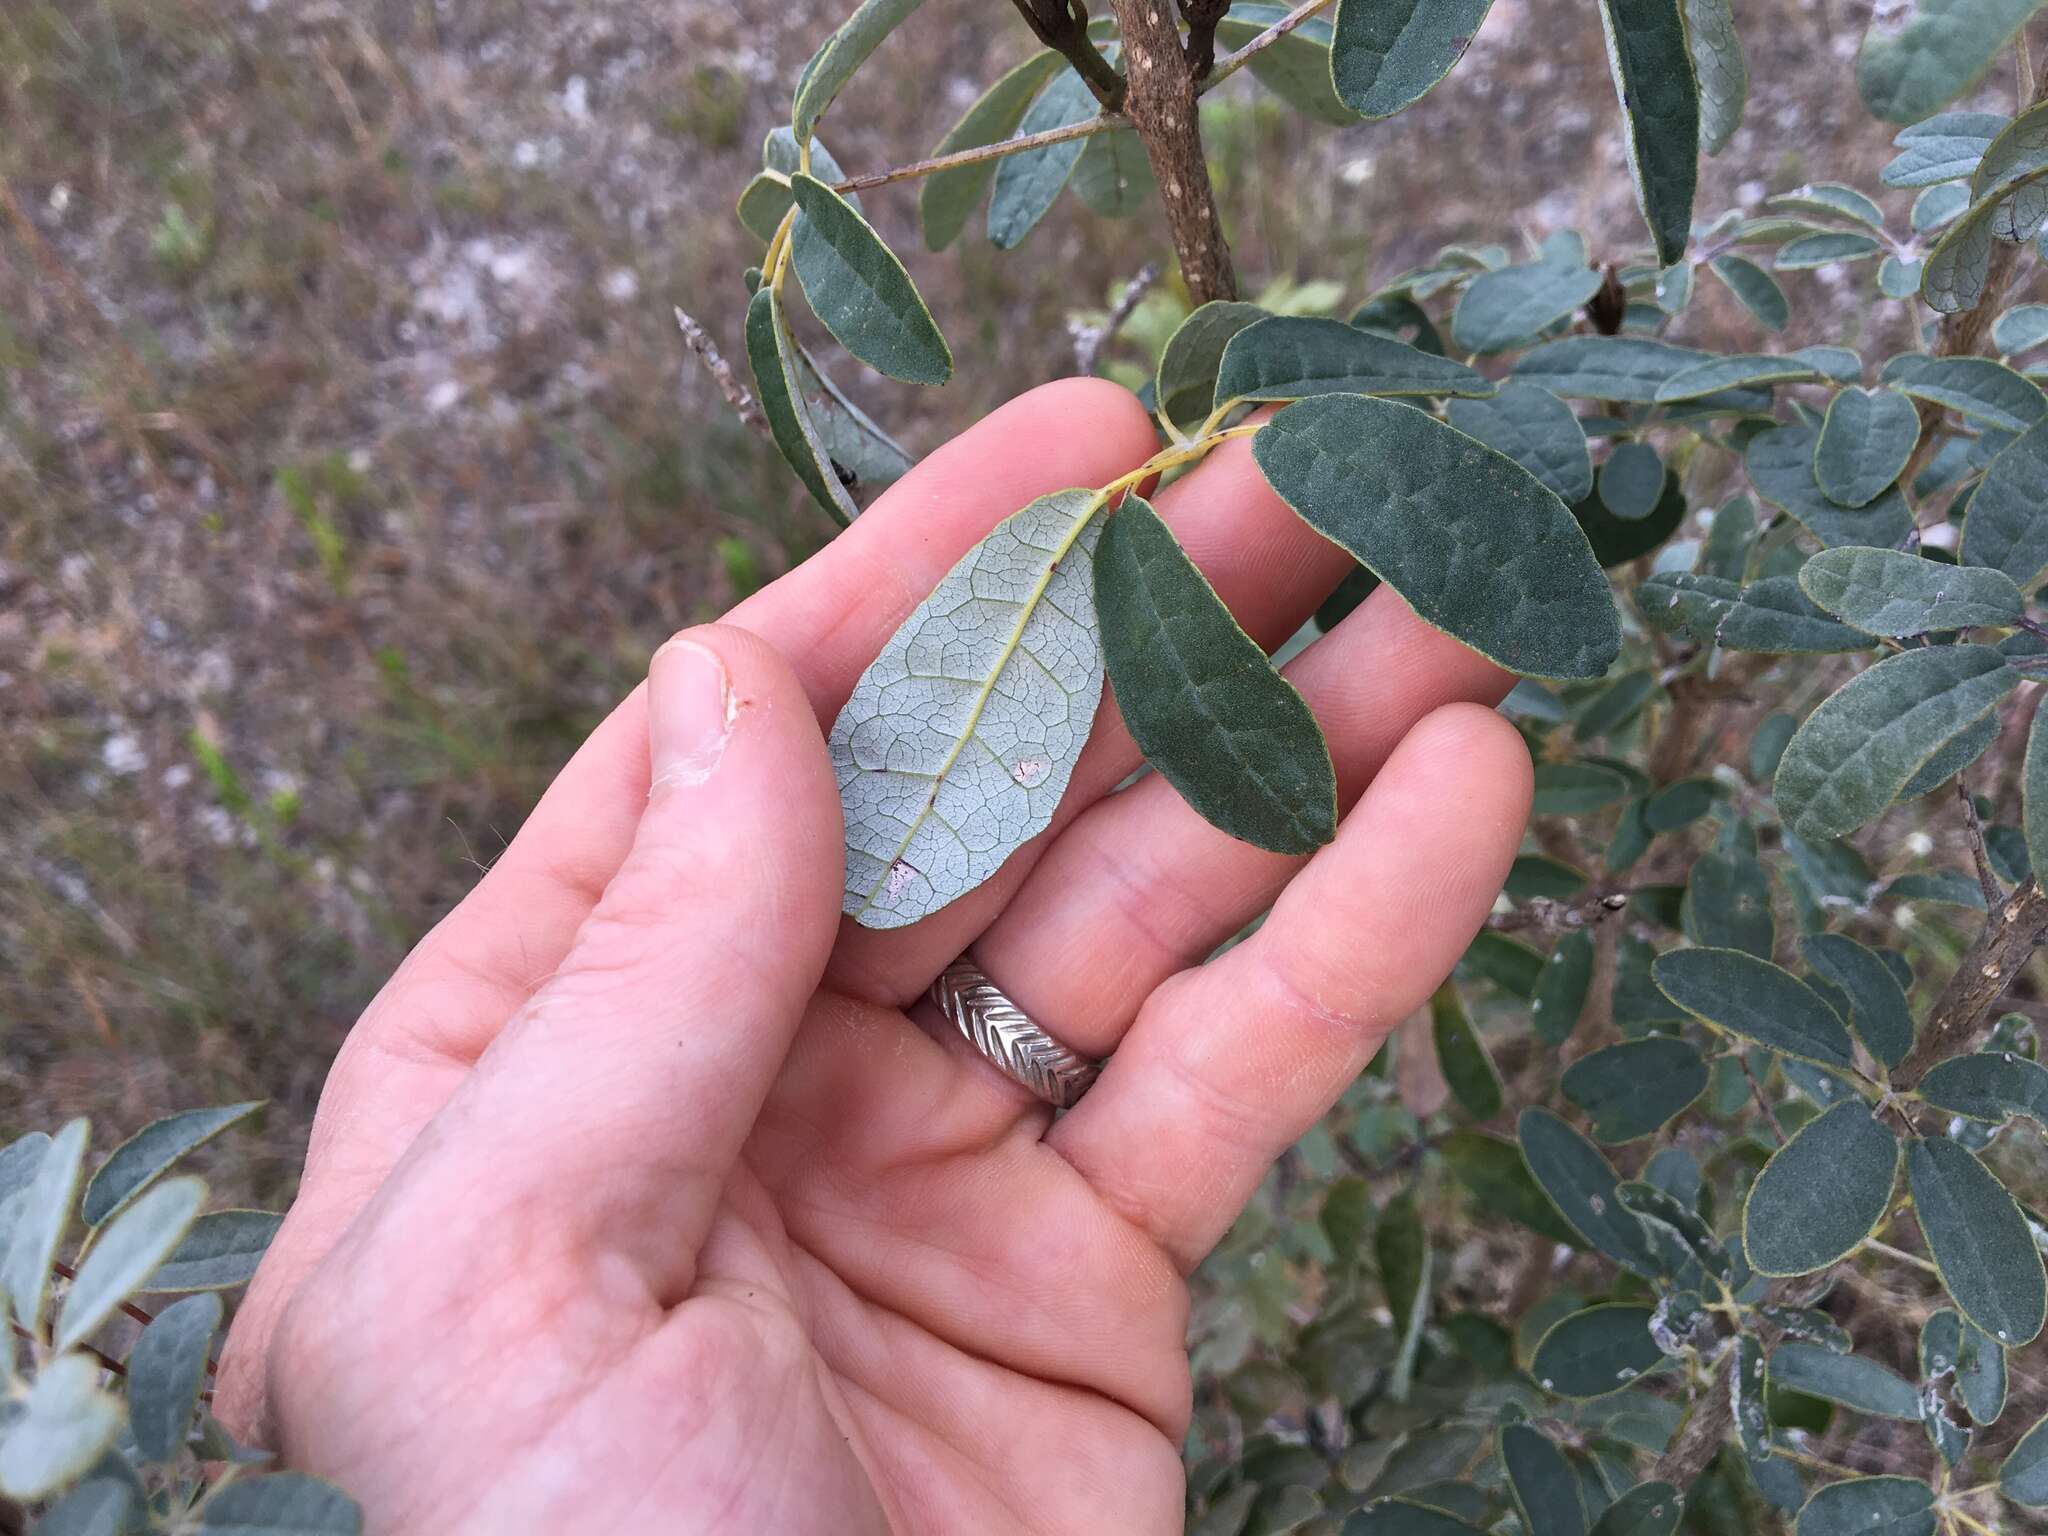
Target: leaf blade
[(860, 291)]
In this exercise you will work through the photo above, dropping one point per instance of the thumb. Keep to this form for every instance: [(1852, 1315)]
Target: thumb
[(620, 1095)]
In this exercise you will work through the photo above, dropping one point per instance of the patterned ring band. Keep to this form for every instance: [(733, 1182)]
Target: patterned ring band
[(1004, 1034)]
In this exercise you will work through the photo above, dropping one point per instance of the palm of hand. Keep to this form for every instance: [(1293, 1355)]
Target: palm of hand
[(638, 1200)]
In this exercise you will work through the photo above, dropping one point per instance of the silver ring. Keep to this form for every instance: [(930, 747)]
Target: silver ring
[(1007, 1038)]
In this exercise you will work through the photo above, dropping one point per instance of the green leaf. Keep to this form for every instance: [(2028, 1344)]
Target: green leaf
[(1500, 309), (1652, 68), (1950, 1342), (1597, 1351), (1745, 996), (2034, 790), (1508, 963), (1029, 183), (1864, 444), (1906, 71), (1733, 372), (1546, 1489), (1870, 1506), (1809, 1325), (1818, 250), (126, 1253), (1935, 208), (772, 352), (221, 1250), (1897, 279), (1754, 288), (767, 197), (1980, 388), (1346, 1216), (1186, 380), (150, 1152), (947, 198), (858, 452), (1854, 1381), (1953, 274), (1853, 755), (1722, 76), (1978, 1239), (1746, 1389), (959, 739), (65, 1425), (1955, 754), (1537, 874), (1822, 1193), (1627, 368), (1494, 1172), (1535, 429), (2023, 1477), (1880, 1016), (2007, 528), (1728, 904), (1401, 1253), (1296, 68), (1771, 616), (1615, 540), (1634, 1088), (1475, 543), (166, 1369), (1632, 481), (99, 1506), (1945, 147), (1562, 987), (280, 1504), (1405, 1517), (40, 1224), (1289, 357), (843, 53), (1889, 592), (1780, 466), (1462, 1055), (1113, 177), (1581, 1184), (1830, 199), (859, 290), (2020, 329), (1730, 539), (1200, 698), (1386, 54)]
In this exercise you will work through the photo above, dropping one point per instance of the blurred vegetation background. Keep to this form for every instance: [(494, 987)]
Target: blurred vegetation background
[(351, 464)]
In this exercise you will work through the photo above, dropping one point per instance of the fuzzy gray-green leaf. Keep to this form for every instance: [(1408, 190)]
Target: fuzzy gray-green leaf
[(1714, 374), (1296, 68), (1822, 1193), (1629, 368), (1755, 289), (1535, 429), (221, 1250), (1978, 1239), (1771, 616), (1911, 69), (166, 1369), (1290, 357), (1387, 54), (1632, 1089), (1879, 1014), (1652, 67), (1476, 544), (857, 287), (767, 197), (1865, 442), (40, 1223), (1718, 66), (2023, 1477), (1869, 1506), (2034, 790), (1597, 1351), (1461, 1055), (126, 1253), (1631, 481), (947, 198), (1581, 1184), (1980, 388), (66, 1423), (842, 53), (960, 738), (772, 352), (1746, 996), (1113, 178), (1545, 1487), (1860, 748), (2007, 528), (1500, 309), (1854, 1381), (1818, 250), (1200, 698), (1951, 1344), (1185, 383), (1945, 147), (1889, 592), (130, 1167), (1561, 988), (1029, 183), (280, 1504)]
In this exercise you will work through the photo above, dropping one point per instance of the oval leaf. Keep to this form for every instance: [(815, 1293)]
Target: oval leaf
[(959, 739), (1879, 1014), (1978, 1239), (1628, 368), (1028, 184), (1200, 698), (1861, 747), (1906, 72), (1474, 542), (1562, 988), (2007, 528), (2024, 1476), (1976, 387), (126, 1254), (947, 198), (221, 1250), (1634, 1088), (1755, 999), (1869, 1506), (1890, 592), (65, 1424), (1387, 54), (1185, 384), (166, 1369), (1535, 429), (1737, 371), (280, 1504), (1652, 67), (1597, 1351), (1467, 1069), (1755, 289), (1780, 466), (859, 290), (1868, 436), (1499, 309), (1851, 1380), (1952, 1345), (1822, 1193), (1632, 481), (842, 53), (40, 1223), (1988, 1085), (772, 352), (1581, 1184), (2034, 789), (1289, 357), (131, 1167), (1545, 1487)]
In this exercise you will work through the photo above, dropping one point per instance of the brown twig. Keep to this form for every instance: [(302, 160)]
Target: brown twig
[(1160, 102), (1987, 882), (983, 152), (1062, 25), (1202, 17), (1089, 340), (737, 395), (1231, 63), (2011, 931), (1544, 914), (1763, 1104)]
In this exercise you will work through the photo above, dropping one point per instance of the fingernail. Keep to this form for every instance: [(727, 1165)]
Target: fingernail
[(689, 713)]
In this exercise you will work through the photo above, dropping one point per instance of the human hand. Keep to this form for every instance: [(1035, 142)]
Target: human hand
[(648, 1196)]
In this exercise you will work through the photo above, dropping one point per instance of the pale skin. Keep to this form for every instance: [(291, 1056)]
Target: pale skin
[(648, 1195)]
